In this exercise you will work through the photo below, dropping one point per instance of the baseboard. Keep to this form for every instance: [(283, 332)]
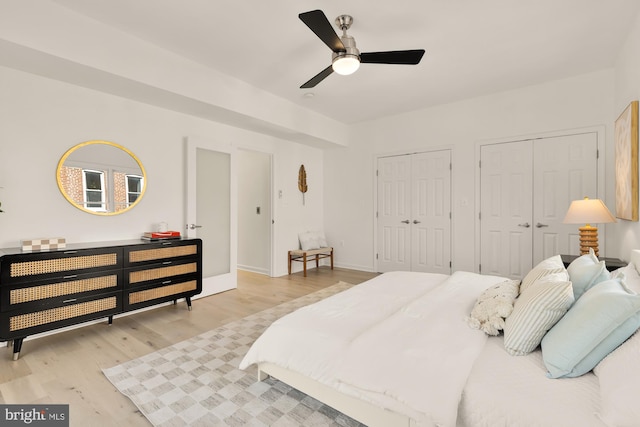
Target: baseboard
[(251, 269), (368, 269)]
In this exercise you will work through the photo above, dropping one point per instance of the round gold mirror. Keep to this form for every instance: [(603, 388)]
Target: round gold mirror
[(101, 177)]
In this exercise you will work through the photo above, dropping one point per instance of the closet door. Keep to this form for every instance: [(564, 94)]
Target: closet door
[(431, 212), (526, 188), (394, 213), (506, 209), (565, 169), (414, 212)]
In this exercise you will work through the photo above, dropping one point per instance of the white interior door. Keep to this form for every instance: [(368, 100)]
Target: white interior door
[(431, 212), (211, 210), (526, 188), (414, 212), (394, 212), (506, 209), (564, 170)]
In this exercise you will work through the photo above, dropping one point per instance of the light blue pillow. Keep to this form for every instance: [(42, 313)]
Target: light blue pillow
[(605, 316), (585, 272)]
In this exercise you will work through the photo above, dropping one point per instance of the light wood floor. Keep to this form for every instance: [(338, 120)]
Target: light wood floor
[(67, 367)]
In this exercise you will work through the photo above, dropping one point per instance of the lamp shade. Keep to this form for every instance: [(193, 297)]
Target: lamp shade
[(588, 211)]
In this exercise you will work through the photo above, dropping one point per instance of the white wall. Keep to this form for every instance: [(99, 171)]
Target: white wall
[(254, 228), (579, 102), (292, 216), (45, 38), (626, 234), (42, 118)]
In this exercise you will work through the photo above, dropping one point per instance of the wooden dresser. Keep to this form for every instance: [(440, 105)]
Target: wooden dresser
[(43, 291)]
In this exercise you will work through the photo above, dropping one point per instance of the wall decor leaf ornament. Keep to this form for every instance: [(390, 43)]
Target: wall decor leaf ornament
[(302, 181)]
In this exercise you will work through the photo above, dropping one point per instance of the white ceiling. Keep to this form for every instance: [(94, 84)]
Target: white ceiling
[(473, 47)]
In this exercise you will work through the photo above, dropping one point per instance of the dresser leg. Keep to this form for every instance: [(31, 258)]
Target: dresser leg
[(17, 346), (110, 320), (188, 302)]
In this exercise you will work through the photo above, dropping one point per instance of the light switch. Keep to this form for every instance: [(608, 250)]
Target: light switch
[(258, 210)]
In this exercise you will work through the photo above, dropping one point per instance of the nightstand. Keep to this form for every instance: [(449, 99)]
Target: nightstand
[(611, 263)]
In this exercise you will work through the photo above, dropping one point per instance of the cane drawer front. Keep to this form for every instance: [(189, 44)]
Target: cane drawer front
[(31, 267), (31, 320), (157, 252), (160, 272), (158, 292), (57, 291)]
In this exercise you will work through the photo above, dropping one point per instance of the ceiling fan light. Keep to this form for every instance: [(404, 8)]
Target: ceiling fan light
[(346, 64)]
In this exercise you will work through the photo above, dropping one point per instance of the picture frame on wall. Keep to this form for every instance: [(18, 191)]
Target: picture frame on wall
[(626, 162)]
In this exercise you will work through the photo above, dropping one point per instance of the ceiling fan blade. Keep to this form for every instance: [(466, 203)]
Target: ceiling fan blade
[(318, 78), (407, 57), (317, 21)]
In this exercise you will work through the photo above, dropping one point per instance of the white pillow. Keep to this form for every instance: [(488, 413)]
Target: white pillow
[(536, 310), (312, 240), (605, 316), (552, 265), (322, 240), (308, 241), (586, 271), (631, 277), (493, 306), (619, 376)]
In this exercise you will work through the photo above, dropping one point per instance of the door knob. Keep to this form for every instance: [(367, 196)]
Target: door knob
[(406, 221), (525, 225), (415, 221), (193, 226), (538, 225)]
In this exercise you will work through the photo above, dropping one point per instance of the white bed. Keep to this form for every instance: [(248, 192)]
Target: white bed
[(396, 350)]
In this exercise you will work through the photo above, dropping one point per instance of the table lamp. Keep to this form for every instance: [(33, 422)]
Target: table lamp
[(588, 211)]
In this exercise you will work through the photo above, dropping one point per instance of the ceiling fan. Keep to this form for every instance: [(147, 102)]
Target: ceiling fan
[(346, 58)]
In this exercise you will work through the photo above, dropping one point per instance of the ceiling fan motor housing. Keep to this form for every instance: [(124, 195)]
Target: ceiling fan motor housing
[(350, 49)]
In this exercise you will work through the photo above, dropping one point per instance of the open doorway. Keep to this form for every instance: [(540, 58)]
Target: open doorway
[(254, 211)]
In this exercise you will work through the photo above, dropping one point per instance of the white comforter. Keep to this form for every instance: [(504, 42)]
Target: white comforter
[(407, 328), (505, 390)]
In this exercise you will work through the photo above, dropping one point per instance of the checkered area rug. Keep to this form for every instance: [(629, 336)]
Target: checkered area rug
[(197, 382)]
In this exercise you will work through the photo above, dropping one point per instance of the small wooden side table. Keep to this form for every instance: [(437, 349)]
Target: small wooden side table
[(610, 263)]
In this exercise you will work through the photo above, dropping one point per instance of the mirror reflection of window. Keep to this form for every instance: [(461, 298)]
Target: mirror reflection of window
[(93, 186), (101, 177), (134, 188)]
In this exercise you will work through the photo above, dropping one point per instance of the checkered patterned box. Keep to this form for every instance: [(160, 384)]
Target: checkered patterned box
[(44, 244)]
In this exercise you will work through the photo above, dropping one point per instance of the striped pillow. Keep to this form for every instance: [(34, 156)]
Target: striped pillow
[(537, 309), (552, 265)]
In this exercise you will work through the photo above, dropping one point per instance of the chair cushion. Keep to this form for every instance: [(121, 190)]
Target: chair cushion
[(312, 251)]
